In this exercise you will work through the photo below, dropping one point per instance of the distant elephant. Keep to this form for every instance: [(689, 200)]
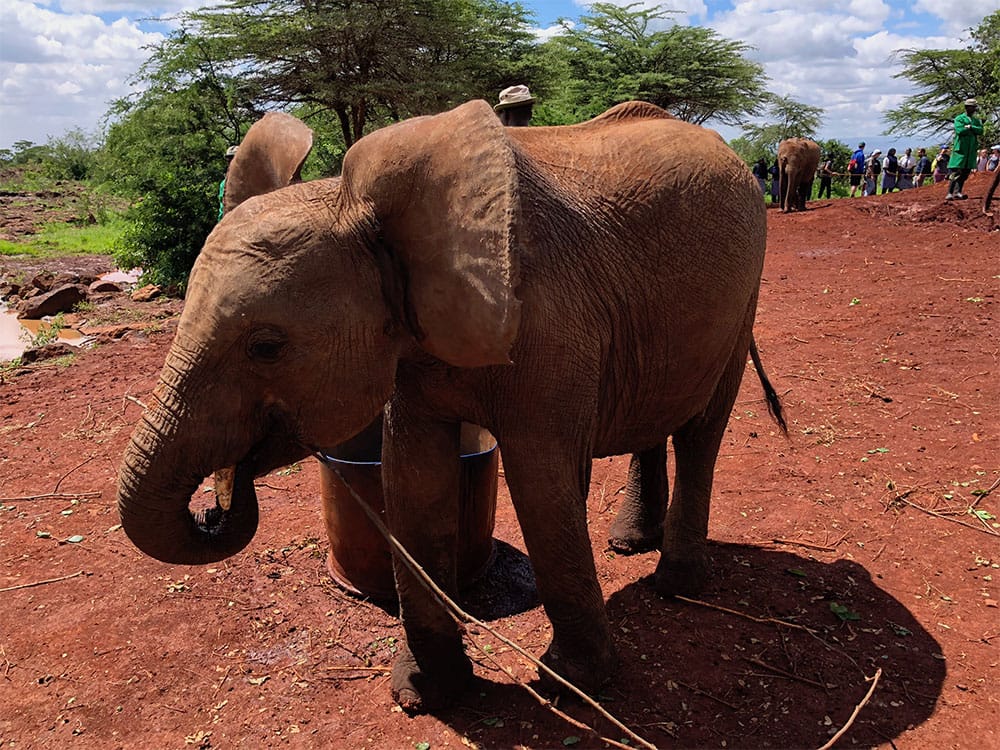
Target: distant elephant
[(798, 160), (571, 289)]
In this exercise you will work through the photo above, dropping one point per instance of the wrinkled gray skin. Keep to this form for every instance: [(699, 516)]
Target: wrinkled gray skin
[(579, 291), (798, 160)]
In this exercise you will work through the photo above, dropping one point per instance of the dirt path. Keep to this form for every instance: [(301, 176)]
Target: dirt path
[(878, 325)]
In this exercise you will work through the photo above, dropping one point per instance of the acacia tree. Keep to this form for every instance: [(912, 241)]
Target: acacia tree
[(784, 118), (945, 78), (369, 61), (165, 149), (616, 54)]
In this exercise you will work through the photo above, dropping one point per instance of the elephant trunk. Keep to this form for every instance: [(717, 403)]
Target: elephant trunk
[(155, 486)]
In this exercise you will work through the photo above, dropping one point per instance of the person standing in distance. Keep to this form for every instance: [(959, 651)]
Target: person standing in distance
[(856, 169), (968, 128), (514, 107), (230, 153)]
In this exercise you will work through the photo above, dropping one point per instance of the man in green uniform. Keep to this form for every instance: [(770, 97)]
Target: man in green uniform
[(230, 153), (968, 128)]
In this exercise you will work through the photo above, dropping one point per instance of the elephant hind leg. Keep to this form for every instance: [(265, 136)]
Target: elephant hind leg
[(638, 527), (684, 565)]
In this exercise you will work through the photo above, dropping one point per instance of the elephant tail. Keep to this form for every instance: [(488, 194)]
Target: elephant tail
[(773, 401)]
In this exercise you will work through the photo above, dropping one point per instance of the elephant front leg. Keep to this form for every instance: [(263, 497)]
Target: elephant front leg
[(421, 484), (549, 496), (638, 527)]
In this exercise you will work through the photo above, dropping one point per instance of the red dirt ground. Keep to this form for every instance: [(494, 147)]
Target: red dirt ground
[(877, 324)]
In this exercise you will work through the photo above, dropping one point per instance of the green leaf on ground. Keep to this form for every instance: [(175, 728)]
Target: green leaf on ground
[(843, 612)]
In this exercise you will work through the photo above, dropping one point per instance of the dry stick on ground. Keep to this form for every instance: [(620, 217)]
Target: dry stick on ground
[(934, 513), (461, 616), (744, 615), (41, 583), (84, 463), (547, 703), (52, 496), (808, 545), (783, 673), (857, 710)]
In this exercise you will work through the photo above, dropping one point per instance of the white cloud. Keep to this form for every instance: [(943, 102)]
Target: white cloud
[(957, 17), (60, 71)]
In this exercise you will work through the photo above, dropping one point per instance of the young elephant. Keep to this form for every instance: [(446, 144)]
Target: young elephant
[(579, 291), (798, 160)]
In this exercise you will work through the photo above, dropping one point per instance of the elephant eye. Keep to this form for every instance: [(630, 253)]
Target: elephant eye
[(266, 345)]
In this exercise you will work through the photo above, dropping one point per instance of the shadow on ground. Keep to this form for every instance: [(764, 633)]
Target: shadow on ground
[(692, 676)]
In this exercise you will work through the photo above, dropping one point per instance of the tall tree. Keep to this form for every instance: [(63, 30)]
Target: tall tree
[(616, 54), (165, 151), (784, 118), (370, 61), (945, 78)]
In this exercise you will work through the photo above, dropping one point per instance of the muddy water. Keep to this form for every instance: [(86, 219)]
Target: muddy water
[(15, 335)]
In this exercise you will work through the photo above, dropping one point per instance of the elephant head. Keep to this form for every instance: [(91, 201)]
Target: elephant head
[(302, 302)]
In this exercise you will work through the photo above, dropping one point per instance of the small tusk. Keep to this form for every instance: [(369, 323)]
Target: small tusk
[(224, 487)]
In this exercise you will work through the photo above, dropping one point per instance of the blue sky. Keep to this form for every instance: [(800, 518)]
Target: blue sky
[(63, 61)]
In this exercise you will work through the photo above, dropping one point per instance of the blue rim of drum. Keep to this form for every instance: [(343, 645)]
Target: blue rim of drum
[(331, 460)]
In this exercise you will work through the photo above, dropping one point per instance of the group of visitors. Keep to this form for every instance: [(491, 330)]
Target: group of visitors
[(953, 163)]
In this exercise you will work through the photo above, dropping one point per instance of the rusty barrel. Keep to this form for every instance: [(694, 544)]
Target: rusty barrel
[(360, 560)]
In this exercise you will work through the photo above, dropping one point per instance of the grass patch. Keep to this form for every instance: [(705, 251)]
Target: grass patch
[(67, 238)]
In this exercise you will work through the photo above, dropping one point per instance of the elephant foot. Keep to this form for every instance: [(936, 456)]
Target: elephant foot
[(418, 690), (630, 539), (586, 672), (682, 575)]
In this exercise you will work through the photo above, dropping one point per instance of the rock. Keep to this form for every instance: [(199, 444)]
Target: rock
[(64, 278), (62, 299), (147, 293), (49, 351), (101, 286), (42, 281), (9, 289)]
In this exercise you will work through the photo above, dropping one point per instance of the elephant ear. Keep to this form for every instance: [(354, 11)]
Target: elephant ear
[(443, 190), (270, 157)]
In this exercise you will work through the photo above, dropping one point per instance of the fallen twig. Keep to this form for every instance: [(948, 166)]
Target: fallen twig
[(134, 400), (84, 463), (699, 691), (53, 496), (783, 673), (41, 583), (808, 545), (857, 710), (348, 668), (546, 703), (461, 616), (934, 513), (744, 615)]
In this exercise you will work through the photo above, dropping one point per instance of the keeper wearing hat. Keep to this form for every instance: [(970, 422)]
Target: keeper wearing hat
[(514, 107)]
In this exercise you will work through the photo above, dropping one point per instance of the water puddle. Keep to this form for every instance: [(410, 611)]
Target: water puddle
[(16, 335), (122, 277)]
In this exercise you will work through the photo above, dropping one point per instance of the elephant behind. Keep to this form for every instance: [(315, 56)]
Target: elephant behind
[(579, 291), (798, 160)]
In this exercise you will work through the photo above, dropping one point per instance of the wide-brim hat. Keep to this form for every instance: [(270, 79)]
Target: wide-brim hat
[(514, 96), (971, 103)]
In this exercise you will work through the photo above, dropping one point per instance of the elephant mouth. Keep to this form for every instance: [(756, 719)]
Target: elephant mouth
[(235, 503)]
